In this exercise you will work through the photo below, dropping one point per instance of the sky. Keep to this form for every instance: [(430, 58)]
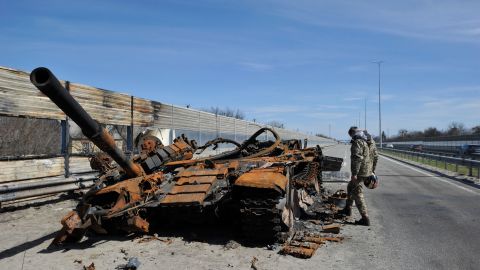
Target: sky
[(307, 64)]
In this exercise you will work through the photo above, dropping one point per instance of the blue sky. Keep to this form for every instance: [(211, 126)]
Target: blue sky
[(307, 64)]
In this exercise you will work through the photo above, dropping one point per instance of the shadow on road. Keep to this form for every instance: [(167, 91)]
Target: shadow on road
[(25, 246)]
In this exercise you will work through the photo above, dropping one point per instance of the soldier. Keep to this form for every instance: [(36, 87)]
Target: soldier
[(373, 150), (361, 168)]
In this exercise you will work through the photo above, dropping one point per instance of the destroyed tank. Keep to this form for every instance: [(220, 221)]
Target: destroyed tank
[(258, 186)]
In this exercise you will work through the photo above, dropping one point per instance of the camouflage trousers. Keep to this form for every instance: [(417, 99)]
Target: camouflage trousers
[(355, 194)]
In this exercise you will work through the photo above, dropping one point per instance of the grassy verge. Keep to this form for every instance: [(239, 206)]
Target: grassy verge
[(463, 170)]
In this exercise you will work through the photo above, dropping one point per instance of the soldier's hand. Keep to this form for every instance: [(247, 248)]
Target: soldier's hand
[(353, 178)]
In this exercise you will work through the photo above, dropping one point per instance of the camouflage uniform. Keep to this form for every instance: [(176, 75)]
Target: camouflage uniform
[(373, 153), (361, 166)]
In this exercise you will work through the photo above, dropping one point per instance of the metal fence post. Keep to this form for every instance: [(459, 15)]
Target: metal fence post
[(171, 127), (235, 129), (130, 130), (199, 132), (65, 143), (66, 140), (470, 169), (246, 127)]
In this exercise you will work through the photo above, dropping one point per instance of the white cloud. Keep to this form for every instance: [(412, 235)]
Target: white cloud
[(256, 66), (448, 20)]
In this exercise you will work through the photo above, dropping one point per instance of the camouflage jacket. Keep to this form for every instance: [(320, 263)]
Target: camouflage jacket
[(361, 164), (373, 154)]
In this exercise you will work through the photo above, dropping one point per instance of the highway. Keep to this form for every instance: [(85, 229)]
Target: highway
[(420, 221)]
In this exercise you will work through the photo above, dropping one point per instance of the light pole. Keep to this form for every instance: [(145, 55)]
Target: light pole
[(365, 113), (379, 63), (359, 119)]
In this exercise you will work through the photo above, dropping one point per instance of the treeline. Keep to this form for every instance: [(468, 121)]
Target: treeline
[(238, 114), (453, 129), (225, 112)]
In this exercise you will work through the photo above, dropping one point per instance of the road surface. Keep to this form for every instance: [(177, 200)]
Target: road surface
[(419, 221)]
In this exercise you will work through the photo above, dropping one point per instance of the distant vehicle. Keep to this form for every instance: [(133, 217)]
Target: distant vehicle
[(389, 145), (416, 147), (470, 149)]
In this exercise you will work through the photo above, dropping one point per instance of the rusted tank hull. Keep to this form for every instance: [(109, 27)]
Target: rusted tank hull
[(260, 183)]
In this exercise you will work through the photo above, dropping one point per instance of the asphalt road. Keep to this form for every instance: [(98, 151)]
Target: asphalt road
[(419, 221), (428, 222)]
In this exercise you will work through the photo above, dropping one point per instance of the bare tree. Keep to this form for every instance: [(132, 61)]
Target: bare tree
[(276, 124), (225, 112), (476, 130), (456, 128), (402, 133), (432, 132)]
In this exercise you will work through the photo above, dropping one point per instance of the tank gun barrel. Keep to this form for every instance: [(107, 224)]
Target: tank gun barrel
[(48, 84)]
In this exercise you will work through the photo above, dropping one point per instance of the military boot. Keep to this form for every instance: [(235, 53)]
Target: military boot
[(364, 221)]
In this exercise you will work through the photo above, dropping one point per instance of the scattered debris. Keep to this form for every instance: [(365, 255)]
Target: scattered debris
[(90, 267), (249, 182), (272, 247), (231, 245), (339, 198), (304, 244), (332, 228), (149, 238), (315, 221), (77, 261), (132, 264), (252, 263)]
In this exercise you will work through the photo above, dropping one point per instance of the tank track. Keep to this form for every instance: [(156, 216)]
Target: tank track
[(260, 220), (309, 178)]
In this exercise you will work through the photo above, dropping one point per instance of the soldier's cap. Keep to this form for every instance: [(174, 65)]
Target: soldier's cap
[(352, 130)]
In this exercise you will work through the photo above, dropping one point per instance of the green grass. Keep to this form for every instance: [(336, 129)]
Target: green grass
[(431, 162)]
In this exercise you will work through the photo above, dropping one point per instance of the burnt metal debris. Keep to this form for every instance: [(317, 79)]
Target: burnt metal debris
[(261, 186)]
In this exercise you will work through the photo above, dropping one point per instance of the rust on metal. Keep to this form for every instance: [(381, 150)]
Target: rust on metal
[(196, 180), (90, 267), (331, 228), (299, 252), (261, 185), (195, 188), (263, 178), (150, 238), (195, 198), (304, 244), (138, 224)]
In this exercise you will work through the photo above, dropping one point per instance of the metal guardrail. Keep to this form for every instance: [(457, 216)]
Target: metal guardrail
[(469, 163), (53, 185)]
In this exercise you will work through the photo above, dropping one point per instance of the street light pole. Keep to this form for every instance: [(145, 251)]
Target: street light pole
[(359, 119), (379, 63), (365, 113)]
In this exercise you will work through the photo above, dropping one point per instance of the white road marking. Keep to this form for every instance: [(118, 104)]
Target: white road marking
[(431, 175)]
